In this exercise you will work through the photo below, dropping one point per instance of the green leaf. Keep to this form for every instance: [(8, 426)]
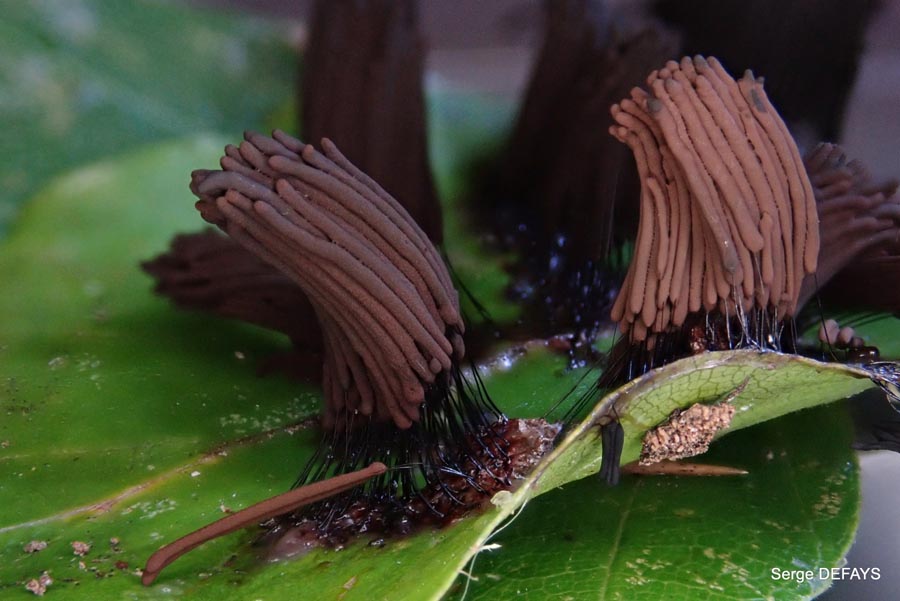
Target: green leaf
[(128, 419), (771, 385), (688, 538), (93, 400), (82, 80)]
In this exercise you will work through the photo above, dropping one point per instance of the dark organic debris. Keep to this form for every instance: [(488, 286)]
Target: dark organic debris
[(484, 473), (612, 436)]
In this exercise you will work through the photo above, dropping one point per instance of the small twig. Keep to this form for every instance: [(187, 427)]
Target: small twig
[(259, 512), (678, 468)]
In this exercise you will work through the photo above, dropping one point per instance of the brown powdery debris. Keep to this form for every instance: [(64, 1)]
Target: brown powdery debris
[(35, 546), (80, 548), (686, 433), (728, 217)]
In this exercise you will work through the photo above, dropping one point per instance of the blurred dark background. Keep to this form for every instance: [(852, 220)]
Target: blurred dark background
[(489, 46)]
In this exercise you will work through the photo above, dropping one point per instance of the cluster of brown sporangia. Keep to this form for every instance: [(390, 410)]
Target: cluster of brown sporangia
[(729, 222), (728, 217), (731, 216), (383, 296), (735, 230)]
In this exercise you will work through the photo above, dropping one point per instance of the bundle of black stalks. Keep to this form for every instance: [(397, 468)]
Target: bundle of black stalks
[(675, 209)]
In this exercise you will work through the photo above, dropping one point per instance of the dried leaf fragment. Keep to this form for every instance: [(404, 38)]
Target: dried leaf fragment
[(38, 586), (80, 548), (686, 433), (35, 546)]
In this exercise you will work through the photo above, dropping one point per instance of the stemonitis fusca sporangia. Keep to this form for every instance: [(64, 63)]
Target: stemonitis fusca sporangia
[(728, 243), (424, 438), (728, 228)]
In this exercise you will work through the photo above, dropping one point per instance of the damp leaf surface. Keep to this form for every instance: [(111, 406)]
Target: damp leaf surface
[(688, 538), (82, 80)]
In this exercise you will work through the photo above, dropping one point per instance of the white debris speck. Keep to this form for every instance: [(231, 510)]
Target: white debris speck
[(38, 586), (149, 510), (93, 288), (35, 546), (80, 548)]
